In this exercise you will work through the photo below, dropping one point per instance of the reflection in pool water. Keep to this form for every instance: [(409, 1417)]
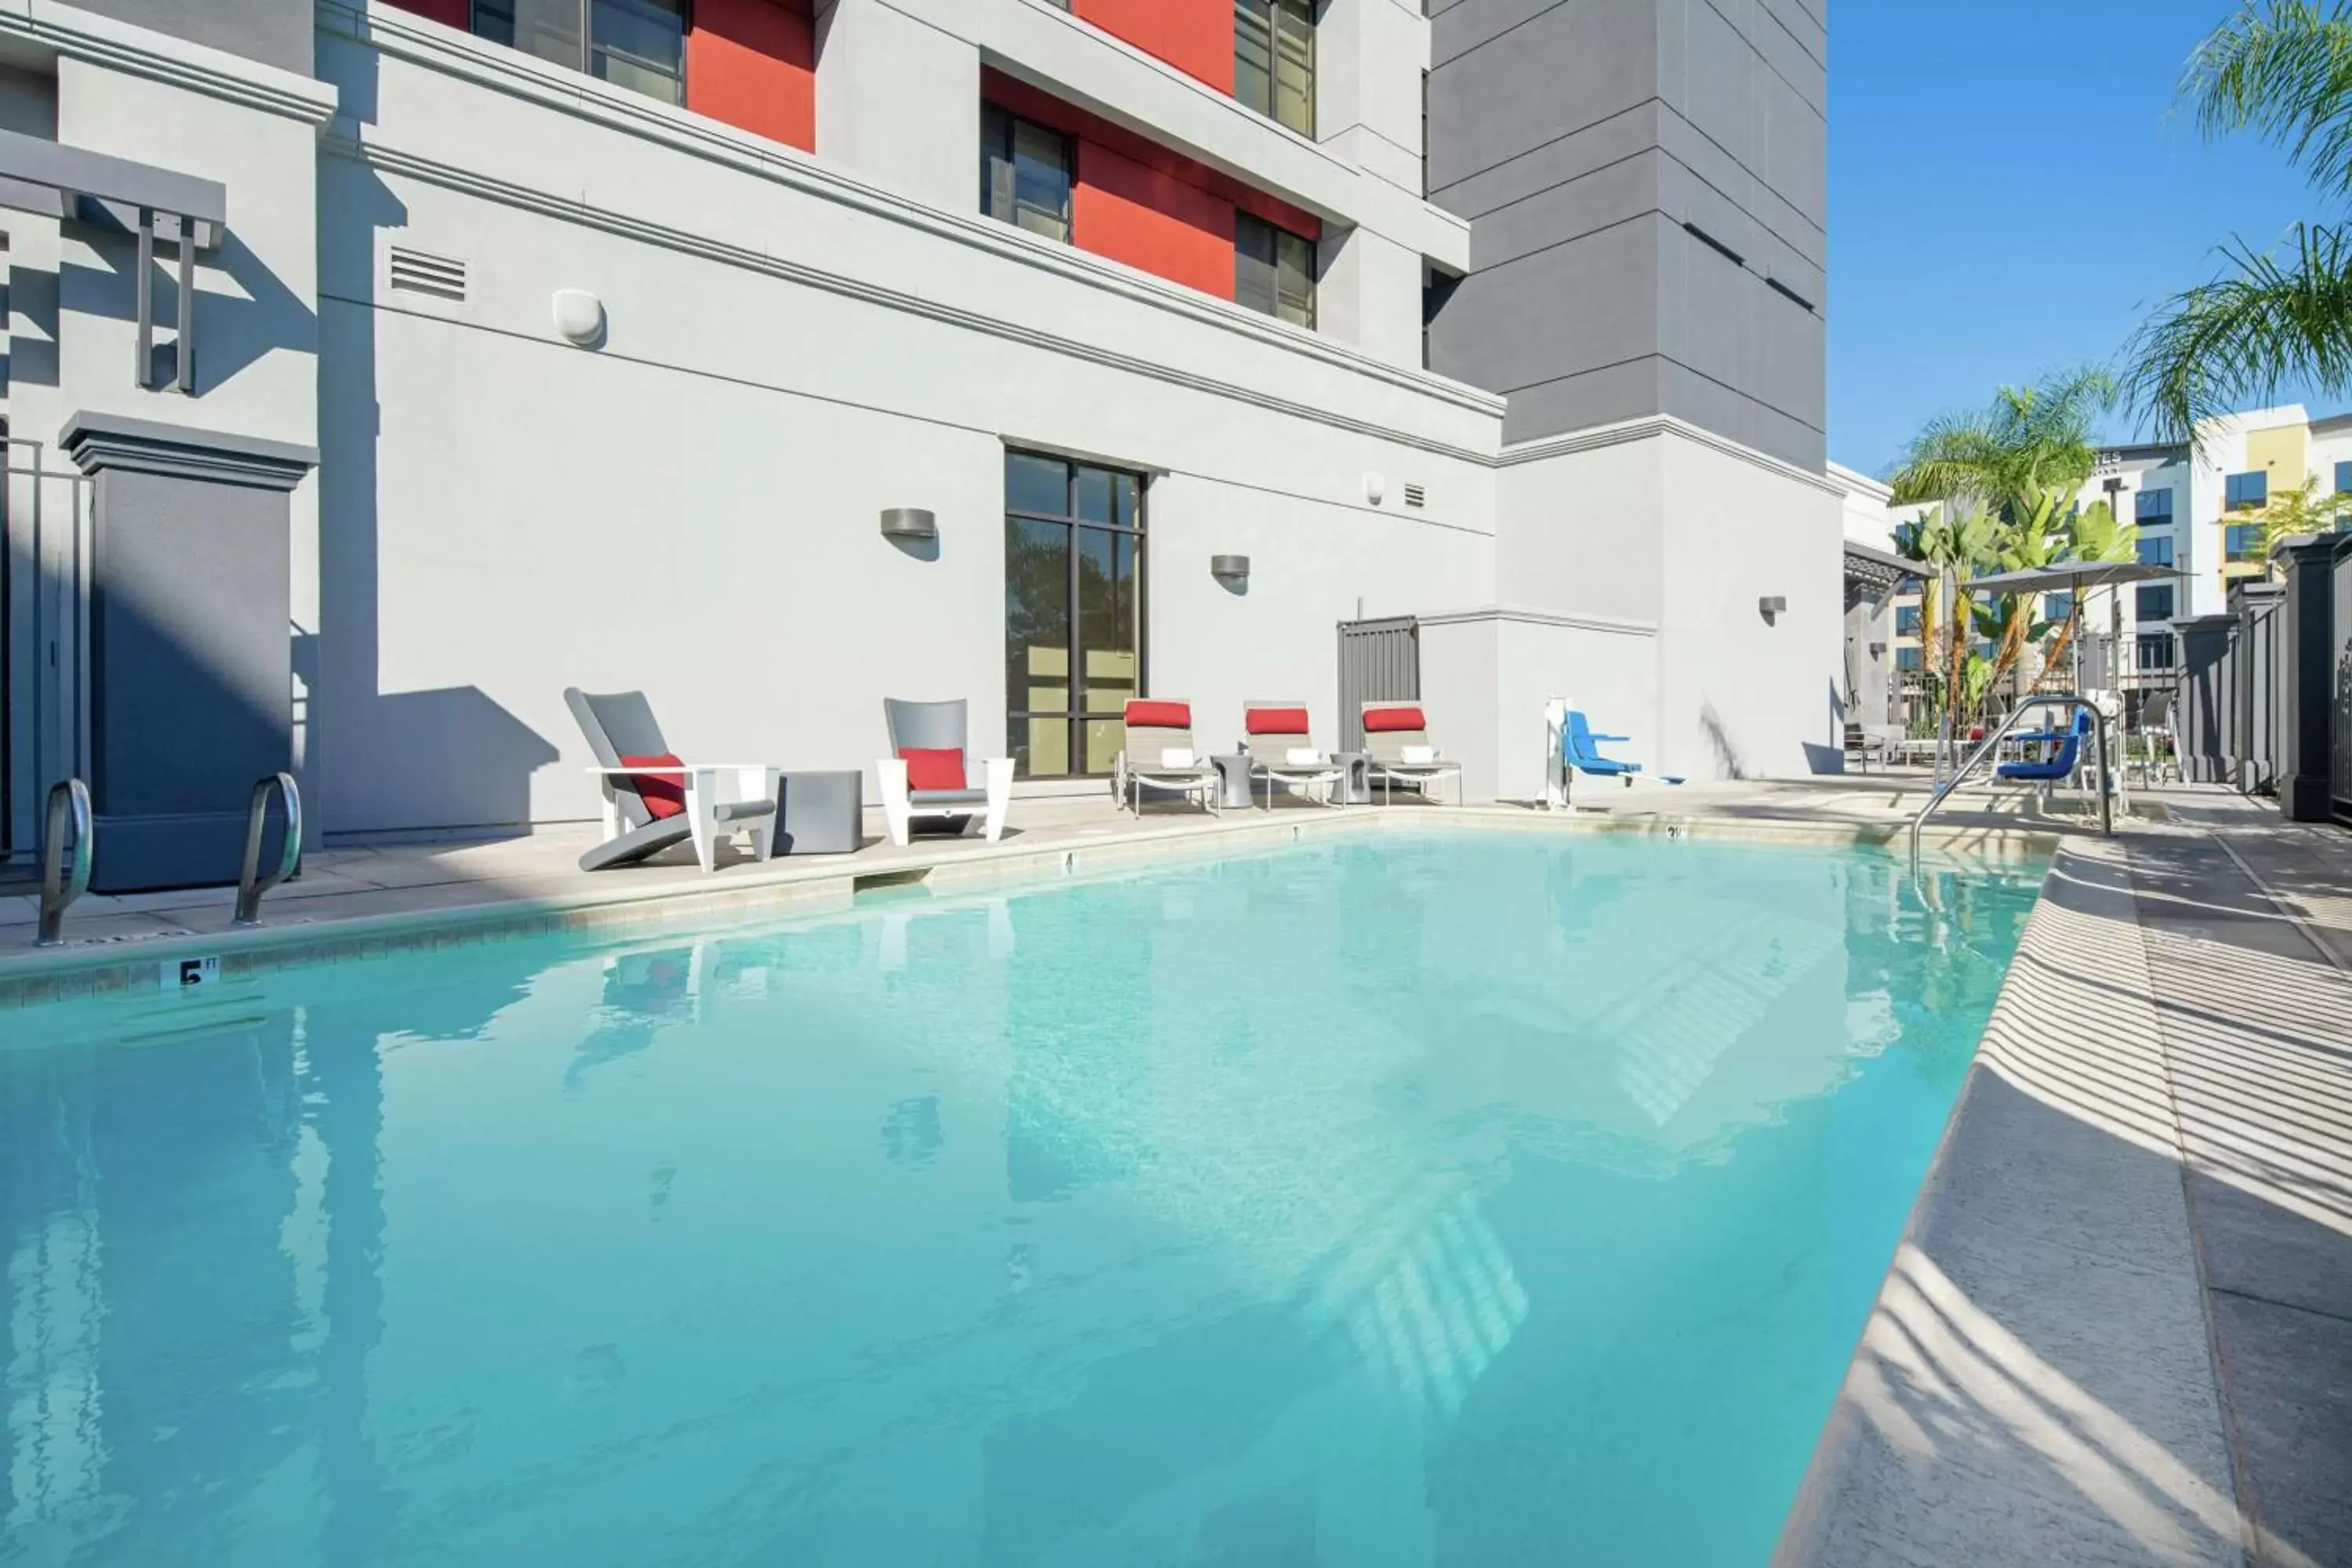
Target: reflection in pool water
[(1478, 1200)]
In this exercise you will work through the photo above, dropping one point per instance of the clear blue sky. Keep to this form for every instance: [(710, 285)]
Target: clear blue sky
[(2010, 189)]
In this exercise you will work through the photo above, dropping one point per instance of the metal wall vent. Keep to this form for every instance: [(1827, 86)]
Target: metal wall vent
[(1415, 496), (417, 272)]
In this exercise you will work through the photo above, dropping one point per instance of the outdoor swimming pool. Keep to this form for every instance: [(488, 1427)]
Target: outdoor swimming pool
[(1477, 1199)]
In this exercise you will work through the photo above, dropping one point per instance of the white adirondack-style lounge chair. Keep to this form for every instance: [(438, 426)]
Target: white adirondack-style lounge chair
[(927, 776), (653, 799)]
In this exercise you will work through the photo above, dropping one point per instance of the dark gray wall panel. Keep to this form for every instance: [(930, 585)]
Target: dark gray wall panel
[(1585, 140), (275, 32)]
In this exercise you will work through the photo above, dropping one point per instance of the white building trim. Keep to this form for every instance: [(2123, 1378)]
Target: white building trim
[(76, 34)]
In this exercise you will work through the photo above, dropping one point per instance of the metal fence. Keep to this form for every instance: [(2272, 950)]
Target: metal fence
[(1379, 661), (2314, 653)]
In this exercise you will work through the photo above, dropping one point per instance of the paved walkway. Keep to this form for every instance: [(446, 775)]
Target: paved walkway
[(2119, 1328)]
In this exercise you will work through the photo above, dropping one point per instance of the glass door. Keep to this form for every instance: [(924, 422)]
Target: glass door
[(1073, 620)]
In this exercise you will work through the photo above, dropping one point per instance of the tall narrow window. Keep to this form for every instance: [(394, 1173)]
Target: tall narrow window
[(1024, 173), (1273, 60), (1273, 271), (1073, 620), (636, 44)]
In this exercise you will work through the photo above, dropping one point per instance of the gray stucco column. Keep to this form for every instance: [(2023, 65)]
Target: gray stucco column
[(191, 678), (2309, 672), (2207, 696)]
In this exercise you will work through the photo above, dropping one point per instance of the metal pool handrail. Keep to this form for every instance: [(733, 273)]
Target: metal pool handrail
[(250, 883), (2068, 700), (68, 797)]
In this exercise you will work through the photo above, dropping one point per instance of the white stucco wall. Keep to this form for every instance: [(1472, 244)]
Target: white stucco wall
[(691, 507)]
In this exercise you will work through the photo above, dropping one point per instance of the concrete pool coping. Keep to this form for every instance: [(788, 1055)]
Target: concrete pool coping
[(332, 921), (2118, 1327)]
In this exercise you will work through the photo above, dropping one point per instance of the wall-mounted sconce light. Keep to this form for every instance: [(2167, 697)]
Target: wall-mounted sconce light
[(579, 316), (916, 525), (1376, 489), (1878, 650), (1232, 571), (1772, 605)]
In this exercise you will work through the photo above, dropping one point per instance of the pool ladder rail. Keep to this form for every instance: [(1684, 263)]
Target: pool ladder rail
[(62, 883), (2069, 700)]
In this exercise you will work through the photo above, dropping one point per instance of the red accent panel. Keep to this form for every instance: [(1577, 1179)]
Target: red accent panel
[(1141, 715), (1385, 721), (664, 796), (1276, 721), (457, 14), (933, 767), (1034, 103), (1152, 220), (1196, 37), (753, 63)]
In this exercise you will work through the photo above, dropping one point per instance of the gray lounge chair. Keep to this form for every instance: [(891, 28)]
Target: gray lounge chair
[(1154, 730), (1396, 739), (703, 802), (933, 728)]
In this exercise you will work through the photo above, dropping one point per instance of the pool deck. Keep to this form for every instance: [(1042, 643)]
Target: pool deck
[(2118, 1329)]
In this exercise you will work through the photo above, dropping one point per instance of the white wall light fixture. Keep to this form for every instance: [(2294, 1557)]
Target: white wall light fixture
[(578, 317)]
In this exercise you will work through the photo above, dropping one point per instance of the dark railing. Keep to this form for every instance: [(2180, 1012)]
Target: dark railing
[(69, 806)]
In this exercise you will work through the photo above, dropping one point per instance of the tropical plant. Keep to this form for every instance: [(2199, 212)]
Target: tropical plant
[(2003, 458), (2300, 509), (2281, 70)]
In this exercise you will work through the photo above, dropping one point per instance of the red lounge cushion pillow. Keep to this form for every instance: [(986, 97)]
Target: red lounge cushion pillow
[(1381, 720), (933, 767), (664, 794), (1277, 721), (1158, 715)]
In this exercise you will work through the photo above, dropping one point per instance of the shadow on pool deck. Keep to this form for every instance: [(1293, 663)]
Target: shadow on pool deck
[(2119, 1330)]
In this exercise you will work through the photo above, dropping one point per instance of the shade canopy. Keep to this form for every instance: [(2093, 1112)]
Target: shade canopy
[(2074, 576)]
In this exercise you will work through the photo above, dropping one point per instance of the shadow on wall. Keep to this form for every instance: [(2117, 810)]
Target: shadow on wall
[(237, 330), (449, 758), (1728, 762)]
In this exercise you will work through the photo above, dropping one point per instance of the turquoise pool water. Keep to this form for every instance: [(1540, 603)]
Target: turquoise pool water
[(1477, 1200)]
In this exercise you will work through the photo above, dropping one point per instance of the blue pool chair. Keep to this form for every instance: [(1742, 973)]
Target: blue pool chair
[(2060, 765), (1580, 748)]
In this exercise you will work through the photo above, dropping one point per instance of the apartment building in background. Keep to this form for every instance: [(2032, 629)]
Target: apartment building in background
[(773, 357), (2198, 514)]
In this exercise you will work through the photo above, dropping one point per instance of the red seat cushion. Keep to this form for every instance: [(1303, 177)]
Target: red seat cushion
[(1381, 720), (1141, 715), (1276, 721), (664, 794), (933, 767)]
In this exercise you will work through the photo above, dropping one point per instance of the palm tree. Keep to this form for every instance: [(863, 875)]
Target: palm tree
[(2002, 458), (2282, 69), (2300, 509)]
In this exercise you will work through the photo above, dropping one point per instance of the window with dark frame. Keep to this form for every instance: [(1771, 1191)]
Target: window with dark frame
[(2154, 549), (1273, 60), (2155, 650), (2243, 541), (2242, 490), (2152, 602), (1273, 271), (1074, 612), (2343, 478), (2153, 506), (1024, 173), (636, 44)]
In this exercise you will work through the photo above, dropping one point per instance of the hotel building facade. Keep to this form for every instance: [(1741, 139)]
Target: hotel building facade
[(423, 359)]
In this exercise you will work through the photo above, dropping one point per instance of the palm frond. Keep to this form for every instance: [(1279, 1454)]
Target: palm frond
[(2282, 69), (2238, 339)]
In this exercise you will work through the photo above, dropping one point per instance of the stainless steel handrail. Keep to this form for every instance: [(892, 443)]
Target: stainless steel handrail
[(250, 883), (2068, 700), (68, 798)]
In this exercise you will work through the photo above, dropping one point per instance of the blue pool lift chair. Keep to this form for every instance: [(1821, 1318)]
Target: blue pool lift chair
[(1579, 749), (2060, 764)]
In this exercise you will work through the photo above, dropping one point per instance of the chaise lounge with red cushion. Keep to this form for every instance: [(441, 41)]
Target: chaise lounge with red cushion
[(928, 774), (1159, 754), (1396, 739), (1282, 750)]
